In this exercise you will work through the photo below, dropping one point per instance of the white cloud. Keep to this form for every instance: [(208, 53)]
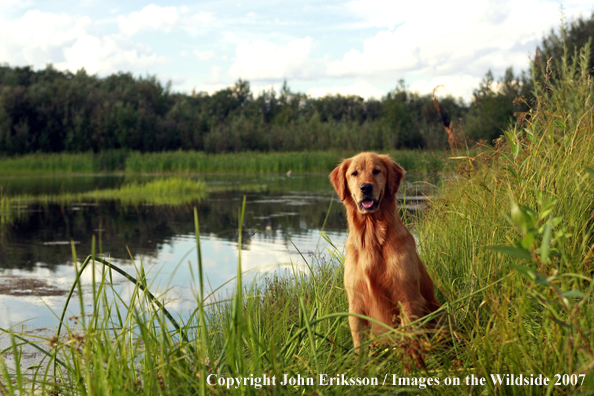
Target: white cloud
[(199, 84), (216, 75), (451, 43), (263, 60), (164, 19), (151, 17), (204, 55), (420, 42), (107, 55), (362, 89), (198, 23), (379, 13), (8, 6), (456, 86), (39, 38), (383, 52), (440, 38)]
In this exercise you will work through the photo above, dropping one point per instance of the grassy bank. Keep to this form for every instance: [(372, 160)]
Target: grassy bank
[(200, 162), (516, 238), (171, 190), (509, 245)]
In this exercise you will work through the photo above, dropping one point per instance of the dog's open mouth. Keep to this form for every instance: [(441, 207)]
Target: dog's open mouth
[(368, 204)]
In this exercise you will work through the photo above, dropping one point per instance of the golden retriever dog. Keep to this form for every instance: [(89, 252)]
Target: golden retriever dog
[(383, 276)]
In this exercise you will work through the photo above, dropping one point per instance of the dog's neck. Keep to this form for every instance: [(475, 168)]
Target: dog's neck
[(370, 231)]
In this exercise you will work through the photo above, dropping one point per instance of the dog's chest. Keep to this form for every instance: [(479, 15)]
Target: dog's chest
[(368, 262), (368, 236)]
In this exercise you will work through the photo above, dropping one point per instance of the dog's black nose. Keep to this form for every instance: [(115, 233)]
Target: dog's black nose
[(366, 188)]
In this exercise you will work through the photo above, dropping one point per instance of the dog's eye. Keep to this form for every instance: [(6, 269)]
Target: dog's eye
[(355, 173), (376, 171)]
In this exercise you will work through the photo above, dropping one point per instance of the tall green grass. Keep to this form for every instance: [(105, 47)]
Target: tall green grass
[(47, 163), (109, 160), (200, 162), (251, 162), (171, 190), (520, 229), (6, 215)]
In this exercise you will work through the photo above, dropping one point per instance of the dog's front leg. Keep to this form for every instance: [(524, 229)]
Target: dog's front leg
[(359, 327), (413, 309)]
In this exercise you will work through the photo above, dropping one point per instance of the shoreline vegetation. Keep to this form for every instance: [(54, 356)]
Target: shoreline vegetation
[(177, 173), (162, 190), (200, 162), (159, 191), (509, 245)]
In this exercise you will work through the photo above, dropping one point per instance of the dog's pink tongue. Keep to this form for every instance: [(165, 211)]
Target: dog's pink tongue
[(368, 203)]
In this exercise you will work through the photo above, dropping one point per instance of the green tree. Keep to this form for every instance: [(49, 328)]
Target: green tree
[(400, 120), (492, 108), (570, 38)]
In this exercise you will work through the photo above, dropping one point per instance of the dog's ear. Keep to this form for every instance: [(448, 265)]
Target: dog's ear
[(395, 174), (338, 179)]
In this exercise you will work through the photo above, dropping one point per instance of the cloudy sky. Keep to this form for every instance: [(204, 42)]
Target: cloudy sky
[(318, 47)]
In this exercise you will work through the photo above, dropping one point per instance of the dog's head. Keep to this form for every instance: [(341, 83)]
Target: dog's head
[(365, 179)]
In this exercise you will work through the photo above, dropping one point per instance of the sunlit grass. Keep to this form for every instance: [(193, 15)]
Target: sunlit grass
[(250, 162), (172, 190), (47, 163), (200, 162), (520, 228)]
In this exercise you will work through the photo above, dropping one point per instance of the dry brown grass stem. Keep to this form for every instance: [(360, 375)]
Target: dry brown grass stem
[(449, 127)]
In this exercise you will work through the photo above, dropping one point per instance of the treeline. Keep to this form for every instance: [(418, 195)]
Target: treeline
[(54, 111)]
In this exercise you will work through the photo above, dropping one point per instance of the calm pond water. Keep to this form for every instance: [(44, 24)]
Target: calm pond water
[(36, 259)]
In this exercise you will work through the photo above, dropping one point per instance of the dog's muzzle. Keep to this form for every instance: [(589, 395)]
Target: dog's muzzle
[(368, 203)]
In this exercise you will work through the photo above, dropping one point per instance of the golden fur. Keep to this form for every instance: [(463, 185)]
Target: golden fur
[(383, 276)]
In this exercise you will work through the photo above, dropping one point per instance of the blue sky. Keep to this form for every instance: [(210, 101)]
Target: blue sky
[(318, 47)]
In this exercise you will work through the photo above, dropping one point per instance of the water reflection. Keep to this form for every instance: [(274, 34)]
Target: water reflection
[(37, 244)]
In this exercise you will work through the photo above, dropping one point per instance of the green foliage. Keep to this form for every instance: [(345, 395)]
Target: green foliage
[(171, 190), (515, 233), (48, 163), (493, 106), (162, 190), (200, 162), (50, 111), (567, 43)]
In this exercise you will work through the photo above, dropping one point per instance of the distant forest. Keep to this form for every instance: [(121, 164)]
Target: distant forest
[(53, 111)]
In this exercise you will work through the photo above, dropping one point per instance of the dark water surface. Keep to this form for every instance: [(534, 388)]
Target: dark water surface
[(36, 255)]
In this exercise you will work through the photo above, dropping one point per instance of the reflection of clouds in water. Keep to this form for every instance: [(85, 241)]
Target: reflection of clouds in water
[(27, 309), (168, 256), (180, 299), (216, 244), (173, 283), (209, 262), (37, 311)]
